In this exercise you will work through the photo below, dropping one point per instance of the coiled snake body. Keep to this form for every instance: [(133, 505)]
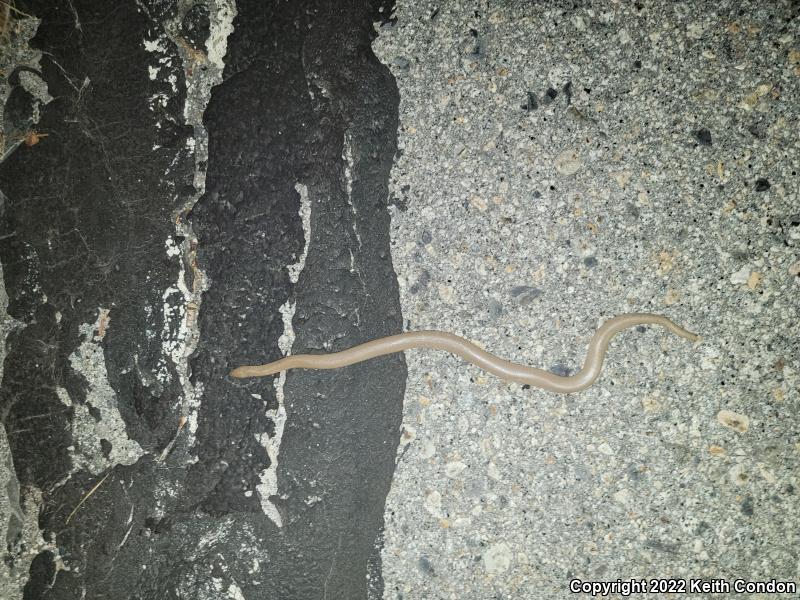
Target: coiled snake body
[(506, 370)]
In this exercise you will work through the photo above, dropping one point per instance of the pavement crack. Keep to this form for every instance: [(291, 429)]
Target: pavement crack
[(330, 571)]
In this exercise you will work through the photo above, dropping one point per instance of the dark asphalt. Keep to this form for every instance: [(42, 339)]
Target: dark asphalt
[(84, 223)]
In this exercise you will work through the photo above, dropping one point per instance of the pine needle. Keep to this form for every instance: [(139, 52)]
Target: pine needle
[(91, 491)]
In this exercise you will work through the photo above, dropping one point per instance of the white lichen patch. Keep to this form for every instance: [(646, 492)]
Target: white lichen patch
[(269, 476), (305, 216), (180, 332), (156, 45), (349, 166), (98, 417), (182, 300), (232, 592), (221, 28)]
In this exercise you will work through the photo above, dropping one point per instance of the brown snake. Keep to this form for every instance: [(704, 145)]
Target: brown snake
[(506, 370)]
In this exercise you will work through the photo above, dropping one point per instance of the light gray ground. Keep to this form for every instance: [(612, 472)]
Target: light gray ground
[(526, 227)]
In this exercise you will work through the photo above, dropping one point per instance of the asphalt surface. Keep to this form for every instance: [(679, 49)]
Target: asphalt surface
[(104, 286)]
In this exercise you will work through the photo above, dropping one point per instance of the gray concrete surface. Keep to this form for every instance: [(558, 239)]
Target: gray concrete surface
[(636, 184)]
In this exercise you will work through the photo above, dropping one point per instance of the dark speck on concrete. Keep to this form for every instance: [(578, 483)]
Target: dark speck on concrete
[(568, 91), (661, 546), (757, 131), (400, 203), (560, 369), (426, 237), (531, 103), (550, 95), (495, 308), (525, 294), (105, 447), (425, 566), (762, 185), (634, 473), (637, 64), (747, 506), (590, 261), (703, 136), (472, 45), (537, 195), (421, 283)]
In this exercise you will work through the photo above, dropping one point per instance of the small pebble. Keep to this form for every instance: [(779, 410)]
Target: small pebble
[(747, 506), (703, 136), (433, 503), (531, 103), (497, 559), (568, 162), (425, 566), (401, 62), (623, 496), (732, 420), (525, 294), (421, 283), (741, 276), (762, 185), (453, 469), (495, 308), (738, 475), (717, 451), (559, 369)]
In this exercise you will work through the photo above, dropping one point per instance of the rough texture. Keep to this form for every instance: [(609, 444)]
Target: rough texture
[(325, 123), (558, 163), (145, 252), (561, 165)]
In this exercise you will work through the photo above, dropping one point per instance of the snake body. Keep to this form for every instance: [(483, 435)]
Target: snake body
[(506, 370)]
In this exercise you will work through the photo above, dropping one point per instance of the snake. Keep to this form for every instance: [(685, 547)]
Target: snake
[(504, 369)]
